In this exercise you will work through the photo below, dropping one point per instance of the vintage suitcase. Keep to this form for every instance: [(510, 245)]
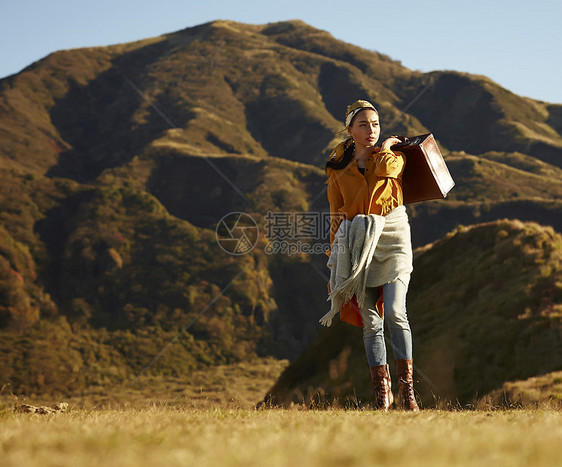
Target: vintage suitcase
[(426, 175)]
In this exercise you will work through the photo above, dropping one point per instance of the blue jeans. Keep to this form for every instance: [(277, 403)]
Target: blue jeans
[(394, 297)]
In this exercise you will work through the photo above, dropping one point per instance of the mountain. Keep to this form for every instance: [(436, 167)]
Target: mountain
[(118, 163)]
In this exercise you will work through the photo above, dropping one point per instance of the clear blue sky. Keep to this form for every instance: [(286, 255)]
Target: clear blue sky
[(517, 43)]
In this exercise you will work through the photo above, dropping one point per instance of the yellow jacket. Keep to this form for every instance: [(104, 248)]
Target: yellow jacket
[(379, 191)]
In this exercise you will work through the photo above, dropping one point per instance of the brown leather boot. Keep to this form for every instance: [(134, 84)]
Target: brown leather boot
[(406, 396), (380, 376)]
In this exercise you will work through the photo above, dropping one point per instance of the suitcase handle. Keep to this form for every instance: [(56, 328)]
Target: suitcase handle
[(406, 143)]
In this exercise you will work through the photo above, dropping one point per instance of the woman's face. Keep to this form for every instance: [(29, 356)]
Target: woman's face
[(365, 129)]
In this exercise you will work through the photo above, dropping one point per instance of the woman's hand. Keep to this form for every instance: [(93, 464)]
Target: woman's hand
[(387, 143)]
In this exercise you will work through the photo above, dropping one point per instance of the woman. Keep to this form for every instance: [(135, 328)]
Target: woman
[(362, 180)]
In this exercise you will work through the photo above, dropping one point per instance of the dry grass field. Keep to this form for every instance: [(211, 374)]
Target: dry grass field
[(162, 435), (208, 419)]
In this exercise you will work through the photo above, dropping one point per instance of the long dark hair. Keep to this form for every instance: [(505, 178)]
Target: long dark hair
[(345, 160)]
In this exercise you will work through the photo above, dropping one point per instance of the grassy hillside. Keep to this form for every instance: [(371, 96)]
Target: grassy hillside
[(535, 391), (117, 163), (484, 306)]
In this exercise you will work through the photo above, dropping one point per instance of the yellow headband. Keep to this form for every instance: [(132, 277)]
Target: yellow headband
[(355, 108)]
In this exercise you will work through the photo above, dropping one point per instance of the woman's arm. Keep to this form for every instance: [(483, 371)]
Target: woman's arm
[(388, 163), (335, 199)]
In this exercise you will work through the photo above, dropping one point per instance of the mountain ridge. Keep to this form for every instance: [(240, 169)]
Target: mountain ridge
[(163, 47)]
